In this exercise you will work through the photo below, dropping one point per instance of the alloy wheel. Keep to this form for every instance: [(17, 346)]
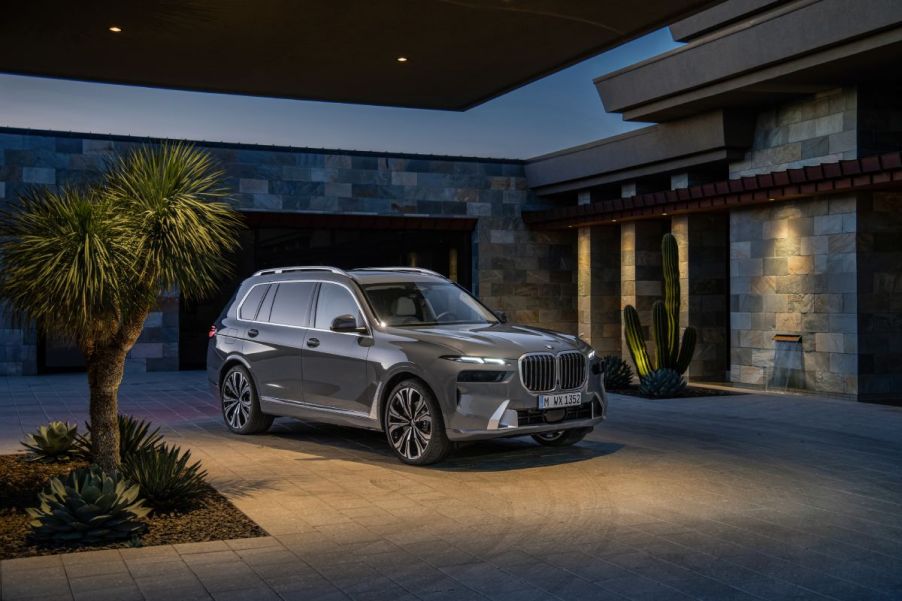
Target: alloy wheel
[(236, 399), (409, 423)]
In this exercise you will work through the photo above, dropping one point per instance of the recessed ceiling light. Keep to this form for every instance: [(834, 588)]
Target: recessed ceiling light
[(663, 214), (402, 59), (116, 29)]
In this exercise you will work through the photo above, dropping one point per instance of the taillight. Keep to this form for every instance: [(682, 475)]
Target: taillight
[(212, 331)]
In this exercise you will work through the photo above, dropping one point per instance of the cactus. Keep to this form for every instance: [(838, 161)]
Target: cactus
[(53, 442), (617, 372), (662, 383), (89, 506), (671, 352)]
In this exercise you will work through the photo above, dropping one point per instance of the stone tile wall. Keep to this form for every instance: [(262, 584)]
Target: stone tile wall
[(818, 129), (880, 296), (529, 274), (598, 250), (794, 271)]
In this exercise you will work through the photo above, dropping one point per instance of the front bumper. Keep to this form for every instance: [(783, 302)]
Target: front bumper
[(480, 410)]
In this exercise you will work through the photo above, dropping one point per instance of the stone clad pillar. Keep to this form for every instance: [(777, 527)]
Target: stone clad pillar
[(598, 285), (640, 271)]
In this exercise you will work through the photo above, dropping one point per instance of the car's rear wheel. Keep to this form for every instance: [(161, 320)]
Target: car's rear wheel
[(561, 438), (414, 425), (240, 405)]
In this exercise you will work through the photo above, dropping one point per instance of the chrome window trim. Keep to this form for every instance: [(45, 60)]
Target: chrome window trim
[(369, 332)]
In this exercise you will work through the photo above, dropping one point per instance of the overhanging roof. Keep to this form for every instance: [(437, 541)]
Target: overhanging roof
[(868, 173), (460, 52)]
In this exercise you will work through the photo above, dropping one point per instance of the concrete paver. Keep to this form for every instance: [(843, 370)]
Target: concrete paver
[(738, 497)]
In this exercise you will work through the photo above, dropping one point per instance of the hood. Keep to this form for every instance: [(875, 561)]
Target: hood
[(506, 341)]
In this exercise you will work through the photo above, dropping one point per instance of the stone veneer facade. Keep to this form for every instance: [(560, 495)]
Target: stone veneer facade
[(530, 275)]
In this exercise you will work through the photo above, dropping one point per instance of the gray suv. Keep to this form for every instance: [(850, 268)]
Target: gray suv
[(399, 350)]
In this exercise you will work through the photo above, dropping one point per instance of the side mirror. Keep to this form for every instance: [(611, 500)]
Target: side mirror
[(346, 323), (502, 316)]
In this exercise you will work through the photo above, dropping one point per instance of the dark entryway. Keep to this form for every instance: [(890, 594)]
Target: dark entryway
[(344, 241)]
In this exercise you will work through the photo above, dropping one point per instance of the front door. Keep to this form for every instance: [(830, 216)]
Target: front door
[(335, 363)]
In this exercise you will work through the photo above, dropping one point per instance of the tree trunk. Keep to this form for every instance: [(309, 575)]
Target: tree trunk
[(105, 368)]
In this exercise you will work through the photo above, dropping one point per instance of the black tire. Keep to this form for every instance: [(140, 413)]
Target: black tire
[(561, 438), (415, 441), (240, 404)]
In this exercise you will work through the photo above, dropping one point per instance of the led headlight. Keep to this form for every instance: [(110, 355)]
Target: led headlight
[(475, 360)]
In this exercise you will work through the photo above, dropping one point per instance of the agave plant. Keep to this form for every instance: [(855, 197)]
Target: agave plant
[(88, 507), (53, 442), (617, 372), (135, 436), (166, 479), (662, 383), (92, 261)]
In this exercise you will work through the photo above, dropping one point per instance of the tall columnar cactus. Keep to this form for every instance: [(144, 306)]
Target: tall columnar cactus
[(671, 352)]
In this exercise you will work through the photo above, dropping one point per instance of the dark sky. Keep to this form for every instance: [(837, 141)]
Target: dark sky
[(556, 112)]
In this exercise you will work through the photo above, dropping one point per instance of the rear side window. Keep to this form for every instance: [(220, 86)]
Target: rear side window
[(251, 305), (292, 304)]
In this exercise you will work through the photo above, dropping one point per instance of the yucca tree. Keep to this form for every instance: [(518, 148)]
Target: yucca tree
[(89, 263)]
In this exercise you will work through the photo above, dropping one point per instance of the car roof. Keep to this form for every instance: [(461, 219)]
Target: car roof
[(384, 276), (366, 275)]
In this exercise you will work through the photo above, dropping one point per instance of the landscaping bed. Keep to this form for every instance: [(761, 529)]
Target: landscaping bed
[(687, 393), (210, 517)]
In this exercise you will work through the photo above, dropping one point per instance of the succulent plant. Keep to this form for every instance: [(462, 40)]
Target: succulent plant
[(671, 352), (165, 478), (617, 372), (662, 383), (53, 442), (135, 436), (89, 506)]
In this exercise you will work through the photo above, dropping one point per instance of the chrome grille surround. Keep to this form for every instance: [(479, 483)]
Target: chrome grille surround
[(545, 372)]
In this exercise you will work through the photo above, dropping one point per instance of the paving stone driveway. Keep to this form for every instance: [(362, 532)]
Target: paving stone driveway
[(742, 497)]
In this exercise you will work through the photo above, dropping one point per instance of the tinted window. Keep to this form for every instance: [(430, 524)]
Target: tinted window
[(251, 303), (291, 303), (333, 301)]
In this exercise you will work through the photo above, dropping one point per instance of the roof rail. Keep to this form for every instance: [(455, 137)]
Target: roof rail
[(413, 269), (275, 270)]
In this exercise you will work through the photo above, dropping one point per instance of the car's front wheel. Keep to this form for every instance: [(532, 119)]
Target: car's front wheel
[(414, 425), (240, 405), (561, 438)]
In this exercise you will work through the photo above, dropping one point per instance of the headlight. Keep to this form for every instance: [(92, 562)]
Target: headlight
[(591, 354), (475, 360)]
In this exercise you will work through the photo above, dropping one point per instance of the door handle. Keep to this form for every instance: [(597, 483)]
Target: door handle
[(313, 342), (252, 333)]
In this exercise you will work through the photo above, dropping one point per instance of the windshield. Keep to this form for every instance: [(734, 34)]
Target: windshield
[(425, 304)]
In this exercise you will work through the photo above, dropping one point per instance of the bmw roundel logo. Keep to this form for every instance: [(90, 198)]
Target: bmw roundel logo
[(548, 347)]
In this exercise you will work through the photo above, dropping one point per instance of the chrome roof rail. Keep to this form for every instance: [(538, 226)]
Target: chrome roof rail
[(277, 270), (412, 269)]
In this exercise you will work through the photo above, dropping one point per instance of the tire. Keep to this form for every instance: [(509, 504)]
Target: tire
[(414, 426), (240, 405), (561, 438)]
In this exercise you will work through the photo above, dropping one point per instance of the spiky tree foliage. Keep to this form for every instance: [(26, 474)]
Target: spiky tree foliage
[(53, 442), (90, 263), (166, 478), (617, 372), (670, 351), (662, 383), (135, 436)]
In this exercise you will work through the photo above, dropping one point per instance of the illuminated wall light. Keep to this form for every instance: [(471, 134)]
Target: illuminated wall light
[(402, 59), (116, 29)]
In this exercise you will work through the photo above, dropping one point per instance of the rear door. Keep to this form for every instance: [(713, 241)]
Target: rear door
[(335, 363), (273, 339)]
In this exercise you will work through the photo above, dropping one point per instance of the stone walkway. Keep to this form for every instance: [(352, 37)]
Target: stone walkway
[(721, 498)]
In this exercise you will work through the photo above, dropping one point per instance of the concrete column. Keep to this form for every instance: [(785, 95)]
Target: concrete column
[(640, 271), (703, 241), (598, 285)]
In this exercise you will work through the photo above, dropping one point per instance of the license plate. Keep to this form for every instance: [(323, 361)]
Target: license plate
[(556, 401)]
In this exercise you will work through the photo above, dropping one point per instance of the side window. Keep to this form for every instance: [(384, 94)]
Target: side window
[(291, 303), (251, 304), (334, 300)]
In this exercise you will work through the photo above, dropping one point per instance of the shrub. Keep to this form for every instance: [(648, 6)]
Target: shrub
[(662, 383), (135, 436), (165, 478), (88, 507), (617, 372), (53, 442)]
